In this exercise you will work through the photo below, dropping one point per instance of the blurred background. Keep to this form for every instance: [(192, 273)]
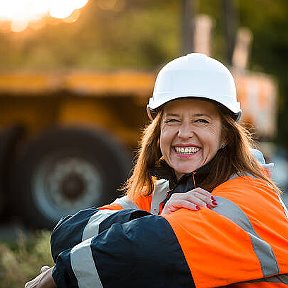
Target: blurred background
[(75, 77)]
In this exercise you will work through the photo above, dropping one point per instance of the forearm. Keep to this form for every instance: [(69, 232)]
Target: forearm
[(85, 224), (133, 254)]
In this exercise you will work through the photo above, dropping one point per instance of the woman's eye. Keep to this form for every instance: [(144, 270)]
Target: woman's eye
[(202, 121), (171, 120)]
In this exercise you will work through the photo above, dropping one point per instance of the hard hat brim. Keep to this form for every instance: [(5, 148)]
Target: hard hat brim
[(236, 115)]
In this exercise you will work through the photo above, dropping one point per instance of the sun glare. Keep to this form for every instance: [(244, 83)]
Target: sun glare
[(22, 13)]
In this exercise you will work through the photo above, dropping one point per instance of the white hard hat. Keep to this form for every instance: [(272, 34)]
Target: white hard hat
[(195, 75)]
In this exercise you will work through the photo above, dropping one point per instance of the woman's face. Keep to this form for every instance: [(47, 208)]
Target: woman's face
[(190, 134)]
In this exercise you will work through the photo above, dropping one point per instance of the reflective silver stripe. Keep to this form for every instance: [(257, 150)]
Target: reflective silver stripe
[(92, 227), (261, 248), (283, 205), (282, 278), (159, 194), (125, 203), (83, 266)]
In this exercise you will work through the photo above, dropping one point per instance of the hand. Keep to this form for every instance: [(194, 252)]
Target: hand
[(43, 280), (193, 200)]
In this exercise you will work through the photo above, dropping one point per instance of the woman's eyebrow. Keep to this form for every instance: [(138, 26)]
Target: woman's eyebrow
[(201, 115), (171, 114), (193, 115)]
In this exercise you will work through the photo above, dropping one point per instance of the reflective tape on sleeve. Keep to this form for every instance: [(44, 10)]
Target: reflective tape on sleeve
[(282, 278), (83, 266), (92, 227), (261, 248), (277, 279), (126, 203)]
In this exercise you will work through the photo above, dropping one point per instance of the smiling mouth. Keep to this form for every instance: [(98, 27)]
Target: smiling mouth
[(186, 150)]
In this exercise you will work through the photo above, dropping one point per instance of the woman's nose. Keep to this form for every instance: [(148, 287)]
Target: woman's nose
[(185, 131)]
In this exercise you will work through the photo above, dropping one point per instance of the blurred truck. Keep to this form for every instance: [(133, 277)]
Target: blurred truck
[(67, 140)]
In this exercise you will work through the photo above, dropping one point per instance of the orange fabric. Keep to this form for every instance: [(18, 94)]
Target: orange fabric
[(264, 210), (258, 285), (112, 206), (218, 251), (144, 202)]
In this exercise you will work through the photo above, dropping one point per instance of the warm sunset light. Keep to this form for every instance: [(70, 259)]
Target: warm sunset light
[(22, 13)]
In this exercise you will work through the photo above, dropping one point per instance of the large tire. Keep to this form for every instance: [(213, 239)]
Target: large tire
[(68, 169)]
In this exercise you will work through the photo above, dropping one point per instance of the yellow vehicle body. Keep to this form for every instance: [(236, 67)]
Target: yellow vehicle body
[(41, 100)]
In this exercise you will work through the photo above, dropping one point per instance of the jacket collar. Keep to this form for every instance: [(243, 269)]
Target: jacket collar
[(187, 182)]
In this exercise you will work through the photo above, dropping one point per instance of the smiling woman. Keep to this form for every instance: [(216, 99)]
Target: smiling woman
[(197, 197), (23, 13), (190, 134)]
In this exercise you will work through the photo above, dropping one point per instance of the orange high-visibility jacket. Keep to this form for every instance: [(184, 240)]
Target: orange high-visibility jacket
[(242, 242), (244, 238)]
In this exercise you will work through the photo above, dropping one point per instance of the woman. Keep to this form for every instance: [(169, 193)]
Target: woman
[(194, 155)]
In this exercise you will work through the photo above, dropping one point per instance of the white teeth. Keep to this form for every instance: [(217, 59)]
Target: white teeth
[(186, 150)]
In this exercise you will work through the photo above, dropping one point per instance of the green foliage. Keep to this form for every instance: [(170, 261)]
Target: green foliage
[(22, 262), (139, 35)]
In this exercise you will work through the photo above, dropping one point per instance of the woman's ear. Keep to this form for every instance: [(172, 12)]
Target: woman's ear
[(224, 139), (222, 145), (223, 142)]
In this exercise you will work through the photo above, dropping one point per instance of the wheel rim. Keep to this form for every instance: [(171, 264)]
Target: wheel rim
[(63, 186)]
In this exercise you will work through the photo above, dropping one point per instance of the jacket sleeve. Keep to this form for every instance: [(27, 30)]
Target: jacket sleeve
[(135, 249), (85, 224), (74, 229), (239, 233)]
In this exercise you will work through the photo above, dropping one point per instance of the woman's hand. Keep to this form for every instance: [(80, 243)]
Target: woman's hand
[(193, 200), (43, 280)]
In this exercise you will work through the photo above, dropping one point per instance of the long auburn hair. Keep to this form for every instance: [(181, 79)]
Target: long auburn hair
[(235, 158)]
